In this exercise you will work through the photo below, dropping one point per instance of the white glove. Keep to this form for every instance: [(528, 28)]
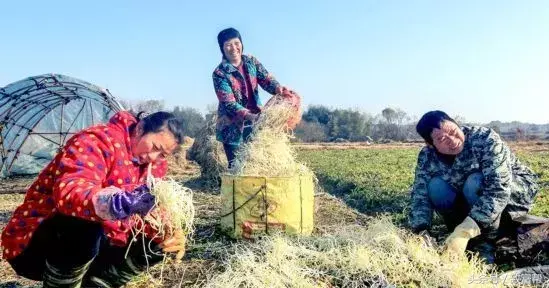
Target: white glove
[(456, 243)]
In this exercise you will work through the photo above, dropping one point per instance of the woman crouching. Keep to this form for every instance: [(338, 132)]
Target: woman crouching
[(74, 226)]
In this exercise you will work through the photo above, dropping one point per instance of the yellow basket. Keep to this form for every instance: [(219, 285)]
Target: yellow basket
[(254, 205)]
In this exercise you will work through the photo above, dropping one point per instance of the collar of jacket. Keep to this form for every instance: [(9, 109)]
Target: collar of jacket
[(466, 131), (122, 121), (229, 68)]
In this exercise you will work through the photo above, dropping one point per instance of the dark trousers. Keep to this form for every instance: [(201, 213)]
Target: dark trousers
[(231, 149), (67, 251)]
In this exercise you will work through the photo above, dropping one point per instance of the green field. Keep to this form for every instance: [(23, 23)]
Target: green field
[(379, 180)]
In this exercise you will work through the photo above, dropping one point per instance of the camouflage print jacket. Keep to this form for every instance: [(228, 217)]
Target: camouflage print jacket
[(507, 184)]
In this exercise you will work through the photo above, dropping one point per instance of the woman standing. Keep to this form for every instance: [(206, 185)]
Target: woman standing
[(236, 81)]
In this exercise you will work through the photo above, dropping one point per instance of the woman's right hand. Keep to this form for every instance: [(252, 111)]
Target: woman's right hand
[(283, 90), (176, 243)]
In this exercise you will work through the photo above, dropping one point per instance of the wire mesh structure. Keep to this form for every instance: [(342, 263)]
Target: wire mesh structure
[(39, 114)]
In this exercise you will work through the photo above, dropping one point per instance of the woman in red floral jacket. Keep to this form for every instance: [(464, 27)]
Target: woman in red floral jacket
[(73, 227)]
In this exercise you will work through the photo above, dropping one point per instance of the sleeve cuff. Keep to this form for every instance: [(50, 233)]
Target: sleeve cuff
[(102, 202)]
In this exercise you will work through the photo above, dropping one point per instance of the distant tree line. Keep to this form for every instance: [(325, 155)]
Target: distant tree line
[(193, 121), (324, 124), (321, 124)]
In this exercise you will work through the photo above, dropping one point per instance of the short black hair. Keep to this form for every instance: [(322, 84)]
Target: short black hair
[(156, 122), (228, 34), (430, 121)]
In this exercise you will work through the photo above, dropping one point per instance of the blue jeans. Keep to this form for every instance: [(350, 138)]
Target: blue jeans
[(451, 204)]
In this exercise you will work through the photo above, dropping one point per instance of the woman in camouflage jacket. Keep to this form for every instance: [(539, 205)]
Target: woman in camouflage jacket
[(472, 179)]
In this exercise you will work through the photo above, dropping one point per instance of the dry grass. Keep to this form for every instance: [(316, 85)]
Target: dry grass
[(178, 165), (201, 260), (269, 152), (331, 213), (204, 258), (209, 154), (378, 255), (174, 208), (173, 215)]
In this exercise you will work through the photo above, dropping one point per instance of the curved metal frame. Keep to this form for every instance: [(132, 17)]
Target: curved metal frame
[(47, 93)]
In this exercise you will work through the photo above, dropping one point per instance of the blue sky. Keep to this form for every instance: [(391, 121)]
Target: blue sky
[(483, 60)]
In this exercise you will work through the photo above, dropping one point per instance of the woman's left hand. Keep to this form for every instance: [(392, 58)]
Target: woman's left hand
[(175, 244)]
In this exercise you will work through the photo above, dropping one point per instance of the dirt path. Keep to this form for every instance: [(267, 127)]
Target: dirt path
[(14, 185), (354, 145), (524, 145)]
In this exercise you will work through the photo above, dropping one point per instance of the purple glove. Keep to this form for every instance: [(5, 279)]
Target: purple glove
[(139, 201)]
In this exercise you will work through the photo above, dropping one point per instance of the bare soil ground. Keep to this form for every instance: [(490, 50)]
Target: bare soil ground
[(15, 185)]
